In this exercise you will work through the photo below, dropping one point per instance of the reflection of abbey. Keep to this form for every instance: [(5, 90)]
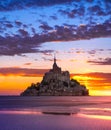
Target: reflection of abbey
[(56, 83)]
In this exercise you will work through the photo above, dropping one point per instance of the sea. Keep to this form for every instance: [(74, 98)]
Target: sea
[(55, 113)]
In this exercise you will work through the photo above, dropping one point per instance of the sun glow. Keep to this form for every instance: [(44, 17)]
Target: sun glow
[(14, 85), (90, 82), (83, 80), (100, 92)]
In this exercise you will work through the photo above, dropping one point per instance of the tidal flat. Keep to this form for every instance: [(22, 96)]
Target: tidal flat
[(55, 113)]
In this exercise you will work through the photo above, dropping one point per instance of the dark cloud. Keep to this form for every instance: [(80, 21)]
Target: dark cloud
[(107, 4), (47, 53), (9, 25), (23, 43), (101, 50), (22, 72), (23, 32), (33, 30), (17, 45), (4, 24), (89, 0), (92, 52), (71, 14), (95, 52), (109, 50), (15, 4), (64, 33), (91, 12), (106, 61), (25, 26), (18, 23), (50, 59), (57, 32), (45, 27), (83, 32), (46, 59), (95, 8), (81, 11)]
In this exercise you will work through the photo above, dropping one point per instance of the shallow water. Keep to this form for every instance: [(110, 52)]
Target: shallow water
[(55, 113)]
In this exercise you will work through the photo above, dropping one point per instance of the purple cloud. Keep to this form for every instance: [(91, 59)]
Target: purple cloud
[(18, 45), (23, 43), (106, 61)]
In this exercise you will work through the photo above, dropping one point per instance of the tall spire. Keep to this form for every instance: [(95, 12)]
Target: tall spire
[(55, 68), (54, 58)]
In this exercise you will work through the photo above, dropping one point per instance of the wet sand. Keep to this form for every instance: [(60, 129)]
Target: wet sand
[(55, 113)]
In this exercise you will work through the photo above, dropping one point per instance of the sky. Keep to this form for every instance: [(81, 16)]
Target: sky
[(77, 31)]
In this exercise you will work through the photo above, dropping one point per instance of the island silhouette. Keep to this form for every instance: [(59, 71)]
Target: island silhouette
[(56, 83)]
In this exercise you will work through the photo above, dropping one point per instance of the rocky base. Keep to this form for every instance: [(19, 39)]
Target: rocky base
[(58, 88)]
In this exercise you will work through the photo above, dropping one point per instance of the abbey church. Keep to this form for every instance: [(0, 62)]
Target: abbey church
[(56, 83)]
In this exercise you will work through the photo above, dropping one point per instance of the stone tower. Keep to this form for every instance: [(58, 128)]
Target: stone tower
[(55, 68)]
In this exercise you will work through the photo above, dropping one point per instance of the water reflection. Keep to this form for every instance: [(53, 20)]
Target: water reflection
[(91, 112), (95, 116), (98, 113), (26, 112), (105, 109), (29, 112), (84, 115)]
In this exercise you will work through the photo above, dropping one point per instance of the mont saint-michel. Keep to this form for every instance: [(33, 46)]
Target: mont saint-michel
[(56, 83)]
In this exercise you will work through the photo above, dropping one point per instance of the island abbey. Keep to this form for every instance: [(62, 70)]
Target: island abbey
[(56, 83)]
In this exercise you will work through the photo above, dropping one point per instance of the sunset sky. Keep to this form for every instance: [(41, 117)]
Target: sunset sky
[(77, 31)]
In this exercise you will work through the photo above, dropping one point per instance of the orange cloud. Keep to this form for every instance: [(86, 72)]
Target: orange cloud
[(22, 72)]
